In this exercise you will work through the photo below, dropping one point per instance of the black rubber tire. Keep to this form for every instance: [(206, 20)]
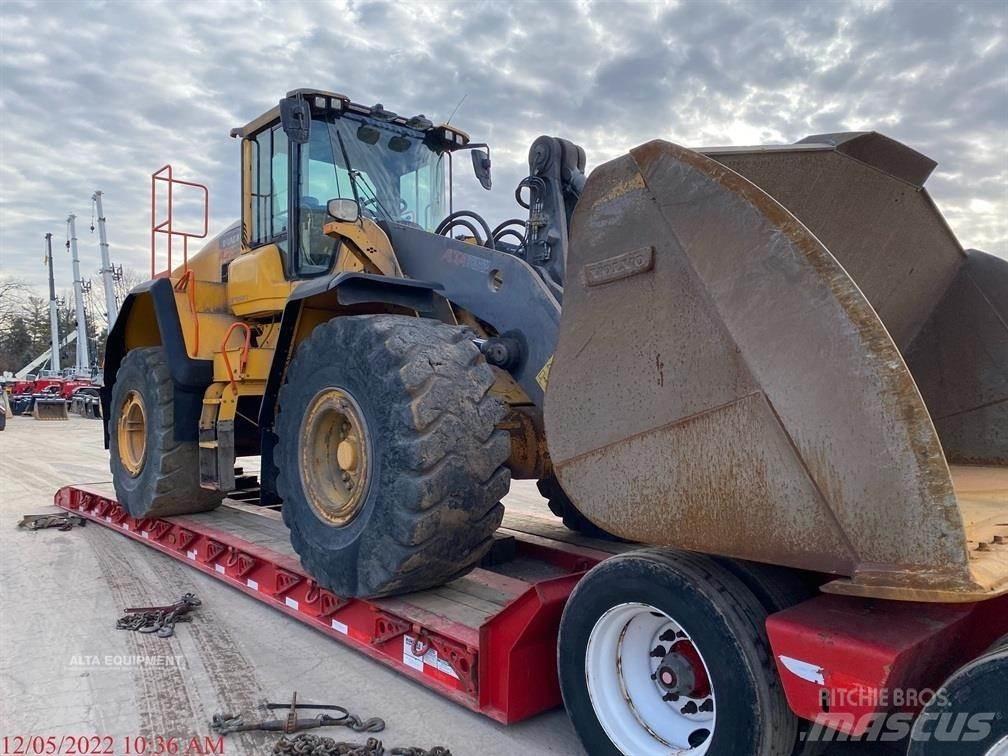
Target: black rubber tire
[(976, 690), (726, 622), (777, 588), (438, 476), (564, 508), (168, 482), (1001, 644)]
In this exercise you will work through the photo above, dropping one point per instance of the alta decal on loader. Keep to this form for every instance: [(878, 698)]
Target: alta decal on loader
[(748, 353)]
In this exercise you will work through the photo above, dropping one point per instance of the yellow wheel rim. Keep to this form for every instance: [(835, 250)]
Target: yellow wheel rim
[(132, 433), (333, 456)]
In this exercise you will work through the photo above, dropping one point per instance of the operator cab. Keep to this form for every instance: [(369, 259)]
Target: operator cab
[(317, 158), (317, 146)]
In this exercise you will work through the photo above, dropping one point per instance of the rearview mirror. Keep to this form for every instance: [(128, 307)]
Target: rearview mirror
[(481, 166), (295, 118), (346, 210)]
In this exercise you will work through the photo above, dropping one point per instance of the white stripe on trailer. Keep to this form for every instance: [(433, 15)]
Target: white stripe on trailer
[(803, 669)]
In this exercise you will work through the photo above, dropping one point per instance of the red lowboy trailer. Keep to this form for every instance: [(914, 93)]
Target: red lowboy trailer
[(488, 641)]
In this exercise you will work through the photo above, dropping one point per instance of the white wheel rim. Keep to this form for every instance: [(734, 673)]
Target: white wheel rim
[(641, 716)]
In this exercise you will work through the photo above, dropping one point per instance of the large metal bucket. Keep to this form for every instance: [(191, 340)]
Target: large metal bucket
[(50, 409), (756, 349)]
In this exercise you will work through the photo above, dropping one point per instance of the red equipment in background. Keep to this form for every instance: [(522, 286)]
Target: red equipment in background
[(70, 385)]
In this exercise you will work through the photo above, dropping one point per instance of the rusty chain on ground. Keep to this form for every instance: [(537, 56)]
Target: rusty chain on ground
[(306, 744), (158, 619), (225, 724), (59, 521)]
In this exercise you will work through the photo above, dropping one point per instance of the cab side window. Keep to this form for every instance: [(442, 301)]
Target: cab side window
[(269, 185), (321, 180)]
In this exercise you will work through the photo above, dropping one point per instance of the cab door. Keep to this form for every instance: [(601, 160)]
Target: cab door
[(259, 281)]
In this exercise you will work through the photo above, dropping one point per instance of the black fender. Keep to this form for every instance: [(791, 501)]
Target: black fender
[(497, 287), (191, 376), (348, 290)]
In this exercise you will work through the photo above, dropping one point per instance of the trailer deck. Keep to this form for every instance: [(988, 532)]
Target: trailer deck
[(487, 641)]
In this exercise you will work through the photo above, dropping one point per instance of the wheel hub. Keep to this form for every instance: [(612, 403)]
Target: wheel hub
[(346, 455), (333, 457), (131, 433), (648, 683), (675, 675)]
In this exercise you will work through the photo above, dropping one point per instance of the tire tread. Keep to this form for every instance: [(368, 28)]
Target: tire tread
[(445, 495), (173, 488)]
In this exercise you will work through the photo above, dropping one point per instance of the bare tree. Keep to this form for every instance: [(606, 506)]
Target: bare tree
[(24, 329), (129, 278), (24, 319), (13, 293)]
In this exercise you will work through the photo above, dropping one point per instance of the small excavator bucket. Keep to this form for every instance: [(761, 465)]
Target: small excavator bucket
[(774, 354), (50, 409)]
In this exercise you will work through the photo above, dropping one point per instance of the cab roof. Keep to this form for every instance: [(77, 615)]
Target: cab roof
[(454, 137)]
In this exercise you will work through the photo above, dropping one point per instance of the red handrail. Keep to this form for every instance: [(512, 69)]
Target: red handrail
[(243, 360), (164, 174)]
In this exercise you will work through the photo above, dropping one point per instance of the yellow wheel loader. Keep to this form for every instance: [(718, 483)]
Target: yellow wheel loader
[(775, 354)]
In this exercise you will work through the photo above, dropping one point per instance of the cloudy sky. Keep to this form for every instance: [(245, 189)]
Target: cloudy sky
[(96, 95)]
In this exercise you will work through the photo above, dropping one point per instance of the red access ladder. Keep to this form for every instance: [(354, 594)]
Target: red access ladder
[(164, 225)]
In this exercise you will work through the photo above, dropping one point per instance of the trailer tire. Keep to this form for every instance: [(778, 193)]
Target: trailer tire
[(413, 396), (977, 690), (159, 476), (777, 588), (717, 617), (561, 505), (1001, 644)]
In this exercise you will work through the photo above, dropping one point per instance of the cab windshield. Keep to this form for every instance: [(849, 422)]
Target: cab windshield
[(397, 177)]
